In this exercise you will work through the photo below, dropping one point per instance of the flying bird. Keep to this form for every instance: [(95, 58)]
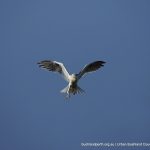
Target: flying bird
[(72, 87)]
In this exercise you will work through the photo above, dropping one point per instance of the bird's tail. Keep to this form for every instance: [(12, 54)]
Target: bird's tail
[(78, 90), (65, 90), (69, 90)]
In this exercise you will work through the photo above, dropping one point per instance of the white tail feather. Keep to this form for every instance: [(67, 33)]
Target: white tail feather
[(65, 90), (79, 90), (74, 91)]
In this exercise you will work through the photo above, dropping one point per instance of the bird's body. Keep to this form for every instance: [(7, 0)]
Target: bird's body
[(73, 78), (73, 83), (72, 87)]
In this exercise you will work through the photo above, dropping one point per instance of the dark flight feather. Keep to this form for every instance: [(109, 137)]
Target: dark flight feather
[(50, 65), (91, 67)]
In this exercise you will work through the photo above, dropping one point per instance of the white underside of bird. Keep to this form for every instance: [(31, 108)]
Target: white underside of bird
[(72, 87)]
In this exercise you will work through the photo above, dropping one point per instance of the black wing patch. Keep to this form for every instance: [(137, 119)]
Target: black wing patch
[(50, 65), (91, 67)]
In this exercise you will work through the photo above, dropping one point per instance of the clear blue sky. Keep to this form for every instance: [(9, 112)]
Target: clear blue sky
[(116, 105)]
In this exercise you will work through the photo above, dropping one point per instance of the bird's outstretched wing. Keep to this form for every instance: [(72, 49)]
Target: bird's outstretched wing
[(90, 68), (55, 67)]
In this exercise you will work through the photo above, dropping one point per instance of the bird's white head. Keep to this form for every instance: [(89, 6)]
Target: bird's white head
[(73, 77)]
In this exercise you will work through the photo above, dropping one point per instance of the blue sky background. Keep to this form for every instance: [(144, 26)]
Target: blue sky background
[(116, 105)]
